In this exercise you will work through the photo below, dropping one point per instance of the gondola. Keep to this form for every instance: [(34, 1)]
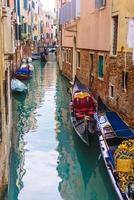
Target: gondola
[(44, 57), (116, 141), (17, 86), (36, 56), (82, 110)]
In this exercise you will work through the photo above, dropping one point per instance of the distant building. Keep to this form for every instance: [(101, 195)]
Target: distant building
[(21, 25), (49, 28)]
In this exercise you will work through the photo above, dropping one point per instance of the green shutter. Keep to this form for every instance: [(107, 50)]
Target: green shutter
[(101, 65)]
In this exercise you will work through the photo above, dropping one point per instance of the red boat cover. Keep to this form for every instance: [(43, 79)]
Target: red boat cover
[(83, 106)]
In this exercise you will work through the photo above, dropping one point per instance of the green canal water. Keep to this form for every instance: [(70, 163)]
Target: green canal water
[(48, 160)]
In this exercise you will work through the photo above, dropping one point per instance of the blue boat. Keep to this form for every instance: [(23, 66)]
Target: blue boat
[(113, 136), (23, 73)]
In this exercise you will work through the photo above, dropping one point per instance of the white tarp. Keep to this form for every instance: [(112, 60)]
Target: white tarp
[(130, 36)]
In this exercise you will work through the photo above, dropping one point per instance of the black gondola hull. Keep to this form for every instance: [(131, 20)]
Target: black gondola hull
[(84, 126)]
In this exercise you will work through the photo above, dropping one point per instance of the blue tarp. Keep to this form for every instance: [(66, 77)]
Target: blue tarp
[(119, 126), (25, 71)]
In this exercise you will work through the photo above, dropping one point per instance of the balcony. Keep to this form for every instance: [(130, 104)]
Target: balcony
[(70, 11)]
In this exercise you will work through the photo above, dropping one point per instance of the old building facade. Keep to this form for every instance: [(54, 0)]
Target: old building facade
[(6, 58), (94, 47), (21, 24)]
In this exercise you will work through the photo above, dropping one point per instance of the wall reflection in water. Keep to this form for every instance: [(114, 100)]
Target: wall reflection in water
[(80, 174), (81, 169), (24, 119)]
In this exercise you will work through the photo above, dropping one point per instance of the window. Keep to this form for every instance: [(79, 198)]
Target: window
[(5, 91), (8, 3), (47, 36), (33, 4), (100, 3), (91, 63), (101, 67), (25, 28), (63, 52), (66, 55), (124, 79), (115, 35), (111, 91), (91, 66), (78, 59), (25, 4), (70, 58)]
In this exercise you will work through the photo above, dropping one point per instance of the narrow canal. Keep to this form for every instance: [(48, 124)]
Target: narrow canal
[(48, 160)]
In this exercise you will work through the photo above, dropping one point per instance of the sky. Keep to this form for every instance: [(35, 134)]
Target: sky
[(49, 5)]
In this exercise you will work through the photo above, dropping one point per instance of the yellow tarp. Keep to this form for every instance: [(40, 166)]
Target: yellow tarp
[(124, 165), (81, 95)]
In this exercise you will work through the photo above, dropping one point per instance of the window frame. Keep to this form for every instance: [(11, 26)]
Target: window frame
[(78, 64), (112, 52), (101, 55), (63, 52), (69, 56), (124, 80), (111, 91), (100, 4), (66, 55), (91, 62)]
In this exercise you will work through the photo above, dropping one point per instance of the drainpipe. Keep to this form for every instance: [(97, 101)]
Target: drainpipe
[(74, 57), (61, 44)]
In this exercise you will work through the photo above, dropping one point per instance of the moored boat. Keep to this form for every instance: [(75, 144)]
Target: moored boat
[(44, 57), (27, 63), (117, 147), (36, 56), (18, 86), (23, 73), (82, 110)]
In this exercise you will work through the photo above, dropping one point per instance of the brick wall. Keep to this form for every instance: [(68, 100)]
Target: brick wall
[(83, 72), (123, 101), (67, 63), (89, 75)]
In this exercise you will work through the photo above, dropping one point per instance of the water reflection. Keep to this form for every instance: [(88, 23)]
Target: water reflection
[(24, 119), (49, 161), (81, 169)]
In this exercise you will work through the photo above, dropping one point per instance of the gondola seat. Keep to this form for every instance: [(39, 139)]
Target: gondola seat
[(83, 106)]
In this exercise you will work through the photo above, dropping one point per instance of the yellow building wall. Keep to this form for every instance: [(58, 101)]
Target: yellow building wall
[(3, 143), (123, 8)]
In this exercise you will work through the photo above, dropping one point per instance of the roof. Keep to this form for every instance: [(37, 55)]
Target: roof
[(120, 128)]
